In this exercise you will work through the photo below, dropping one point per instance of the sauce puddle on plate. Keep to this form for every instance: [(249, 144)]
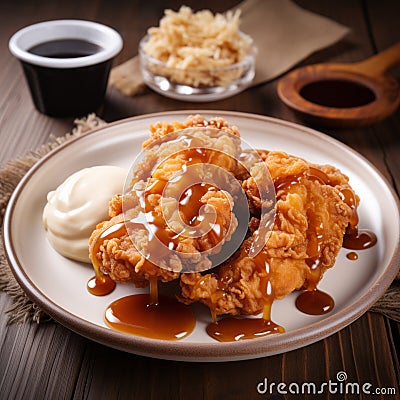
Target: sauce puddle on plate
[(147, 315), (314, 302), (100, 285), (233, 329), (360, 239), (353, 256), (167, 319)]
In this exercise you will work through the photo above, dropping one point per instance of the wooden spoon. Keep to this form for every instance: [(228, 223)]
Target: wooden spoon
[(344, 95)]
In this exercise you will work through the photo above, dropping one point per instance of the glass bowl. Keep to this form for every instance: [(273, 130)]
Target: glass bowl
[(197, 85)]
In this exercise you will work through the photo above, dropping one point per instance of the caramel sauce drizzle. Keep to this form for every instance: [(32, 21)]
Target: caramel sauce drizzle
[(153, 291), (312, 301), (353, 256), (151, 315), (100, 285), (355, 238), (138, 315), (234, 329), (360, 239), (231, 329), (161, 238), (315, 302)]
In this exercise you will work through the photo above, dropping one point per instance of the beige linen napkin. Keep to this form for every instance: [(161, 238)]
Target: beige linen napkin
[(283, 32)]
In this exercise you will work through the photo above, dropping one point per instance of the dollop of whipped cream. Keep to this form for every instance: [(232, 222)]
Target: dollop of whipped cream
[(75, 208)]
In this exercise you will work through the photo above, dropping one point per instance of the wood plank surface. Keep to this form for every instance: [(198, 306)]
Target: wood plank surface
[(48, 361)]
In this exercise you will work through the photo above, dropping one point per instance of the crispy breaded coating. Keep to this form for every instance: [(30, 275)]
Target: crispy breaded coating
[(120, 259), (138, 252), (161, 129), (310, 222)]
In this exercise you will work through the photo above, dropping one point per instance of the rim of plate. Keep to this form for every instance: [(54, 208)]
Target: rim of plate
[(200, 352)]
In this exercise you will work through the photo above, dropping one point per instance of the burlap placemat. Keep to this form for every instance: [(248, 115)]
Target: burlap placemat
[(11, 173), (22, 308)]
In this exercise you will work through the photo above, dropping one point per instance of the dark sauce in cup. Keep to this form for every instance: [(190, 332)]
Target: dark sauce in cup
[(62, 92), (65, 48)]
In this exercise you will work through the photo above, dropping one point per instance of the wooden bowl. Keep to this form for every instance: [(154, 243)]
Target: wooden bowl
[(344, 95)]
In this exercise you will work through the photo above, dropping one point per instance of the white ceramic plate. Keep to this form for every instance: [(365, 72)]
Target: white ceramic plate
[(58, 285)]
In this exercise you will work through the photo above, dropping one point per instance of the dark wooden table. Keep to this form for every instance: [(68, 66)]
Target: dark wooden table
[(48, 361)]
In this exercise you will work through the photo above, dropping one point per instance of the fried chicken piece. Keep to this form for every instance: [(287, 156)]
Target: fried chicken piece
[(238, 287), (129, 249), (118, 254), (307, 234), (119, 258), (161, 129)]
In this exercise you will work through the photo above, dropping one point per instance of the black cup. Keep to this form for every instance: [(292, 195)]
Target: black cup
[(71, 84)]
